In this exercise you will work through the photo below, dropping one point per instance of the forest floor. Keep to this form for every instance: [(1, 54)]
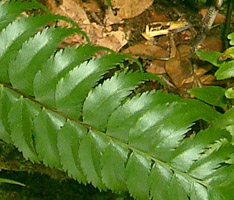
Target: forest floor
[(159, 33)]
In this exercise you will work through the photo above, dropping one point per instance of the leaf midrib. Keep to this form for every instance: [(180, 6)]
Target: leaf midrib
[(108, 136)]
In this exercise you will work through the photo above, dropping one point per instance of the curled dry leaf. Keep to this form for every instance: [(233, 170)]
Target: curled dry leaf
[(130, 8)]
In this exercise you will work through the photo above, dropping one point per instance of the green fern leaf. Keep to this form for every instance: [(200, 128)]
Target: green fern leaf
[(20, 31), (74, 87), (136, 144), (113, 167), (21, 118), (47, 124), (176, 189), (57, 67), (12, 9), (132, 110), (163, 175), (90, 153), (39, 48), (7, 99), (191, 149), (69, 138), (137, 171), (102, 101), (211, 162)]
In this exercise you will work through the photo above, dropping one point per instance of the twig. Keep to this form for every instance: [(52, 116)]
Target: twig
[(207, 22)]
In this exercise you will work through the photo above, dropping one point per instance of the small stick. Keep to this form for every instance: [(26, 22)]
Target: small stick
[(207, 22)]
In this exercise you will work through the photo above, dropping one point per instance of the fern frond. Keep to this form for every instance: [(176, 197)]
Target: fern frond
[(46, 125), (8, 97), (15, 34), (21, 118), (12, 9), (104, 101), (57, 67), (72, 90), (68, 145), (37, 48), (56, 108)]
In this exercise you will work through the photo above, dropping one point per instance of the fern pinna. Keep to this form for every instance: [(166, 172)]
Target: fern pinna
[(55, 110)]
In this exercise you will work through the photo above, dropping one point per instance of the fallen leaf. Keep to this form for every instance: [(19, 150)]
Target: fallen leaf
[(97, 34), (196, 76), (157, 67), (90, 6), (158, 17), (110, 18), (74, 11), (178, 70), (164, 41), (114, 40), (51, 5), (130, 8), (212, 43), (147, 49), (184, 51)]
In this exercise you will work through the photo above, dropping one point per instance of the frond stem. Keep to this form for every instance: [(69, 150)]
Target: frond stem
[(150, 157)]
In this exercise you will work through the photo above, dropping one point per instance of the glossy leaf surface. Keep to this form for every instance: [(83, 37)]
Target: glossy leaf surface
[(61, 109)]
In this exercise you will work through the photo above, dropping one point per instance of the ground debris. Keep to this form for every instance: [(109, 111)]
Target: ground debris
[(121, 27)]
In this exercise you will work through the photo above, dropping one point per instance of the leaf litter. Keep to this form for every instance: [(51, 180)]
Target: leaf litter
[(122, 26)]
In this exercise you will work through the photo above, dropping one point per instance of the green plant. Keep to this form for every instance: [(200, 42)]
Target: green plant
[(108, 2), (3, 180), (224, 61), (213, 95), (56, 109)]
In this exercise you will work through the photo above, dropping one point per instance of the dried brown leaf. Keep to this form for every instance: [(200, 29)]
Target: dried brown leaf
[(178, 70), (130, 8), (147, 49), (156, 67)]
